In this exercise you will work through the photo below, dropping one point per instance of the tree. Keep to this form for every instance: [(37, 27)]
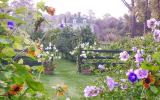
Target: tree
[(155, 8), (131, 8)]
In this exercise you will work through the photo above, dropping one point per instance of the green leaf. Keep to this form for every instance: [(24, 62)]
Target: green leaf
[(9, 52), (34, 85), (17, 46), (148, 66), (41, 5), (5, 40), (154, 89), (21, 10), (4, 0), (5, 16), (20, 61), (38, 68), (156, 57), (22, 71)]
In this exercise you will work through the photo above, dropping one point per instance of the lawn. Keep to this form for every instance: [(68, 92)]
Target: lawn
[(66, 72)]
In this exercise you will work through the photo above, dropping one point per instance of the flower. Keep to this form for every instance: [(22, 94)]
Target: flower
[(10, 24), (101, 67), (151, 23), (31, 51), (141, 73), (83, 55), (124, 86), (123, 80), (68, 98), (132, 77), (61, 90), (50, 10), (138, 58), (149, 80), (149, 58), (111, 83), (91, 91), (134, 49), (157, 35), (124, 56), (15, 89)]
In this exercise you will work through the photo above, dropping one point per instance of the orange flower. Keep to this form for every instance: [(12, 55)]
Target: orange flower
[(149, 80), (50, 10), (31, 51), (15, 89), (61, 90)]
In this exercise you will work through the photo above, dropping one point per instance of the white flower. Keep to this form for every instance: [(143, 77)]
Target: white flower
[(68, 98), (47, 52), (83, 52), (50, 44), (124, 56), (99, 48), (83, 55), (39, 55), (56, 50), (82, 45), (151, 23), (47, 48), (50, 48), (101, 67), (52, 55), (39, 95), (50, 58)]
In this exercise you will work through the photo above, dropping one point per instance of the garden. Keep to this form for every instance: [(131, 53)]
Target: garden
[(44, 56)]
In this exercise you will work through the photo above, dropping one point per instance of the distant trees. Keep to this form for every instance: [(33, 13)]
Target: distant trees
[(141, 11), (110, 28)]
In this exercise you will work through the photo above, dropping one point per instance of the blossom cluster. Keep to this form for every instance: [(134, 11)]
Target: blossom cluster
[(91, 91), (50, 53), (84, 46), (153, 24)]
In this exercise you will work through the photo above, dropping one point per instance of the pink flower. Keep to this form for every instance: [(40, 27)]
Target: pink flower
[(151, 23), (91, 91), (141, 73), (124, 56), (111, 83)]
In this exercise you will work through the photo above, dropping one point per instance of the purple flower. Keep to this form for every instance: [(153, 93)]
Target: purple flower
[(111, 83), (10, 24), (134, 49), (141, 73), (132, 77), (91, 91), (101, 67), (138, 58), (124, 56), (151, 23), (156, 35), (124, 86), (123, 80)]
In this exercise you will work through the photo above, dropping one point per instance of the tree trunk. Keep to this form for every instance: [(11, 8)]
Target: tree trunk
[(133, 20), (145, 17)]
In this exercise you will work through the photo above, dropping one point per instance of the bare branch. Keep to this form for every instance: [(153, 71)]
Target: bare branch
[(127, 4)]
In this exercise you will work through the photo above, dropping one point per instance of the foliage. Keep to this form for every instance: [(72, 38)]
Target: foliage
[(138, 78)]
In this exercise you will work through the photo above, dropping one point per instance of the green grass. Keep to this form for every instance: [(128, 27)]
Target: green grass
[(66, 72)]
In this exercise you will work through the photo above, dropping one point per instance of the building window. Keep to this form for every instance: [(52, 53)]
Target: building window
[(84, 21), (74, 21)]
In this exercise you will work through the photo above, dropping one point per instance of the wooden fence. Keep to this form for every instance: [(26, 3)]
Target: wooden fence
[(110, 56)]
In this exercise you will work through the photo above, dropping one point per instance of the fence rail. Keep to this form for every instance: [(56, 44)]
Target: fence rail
[(111, 52)]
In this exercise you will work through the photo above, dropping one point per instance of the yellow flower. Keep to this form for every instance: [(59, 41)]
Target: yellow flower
[(61, 89)]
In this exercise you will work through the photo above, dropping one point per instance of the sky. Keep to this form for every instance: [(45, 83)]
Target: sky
[(100, 7)]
